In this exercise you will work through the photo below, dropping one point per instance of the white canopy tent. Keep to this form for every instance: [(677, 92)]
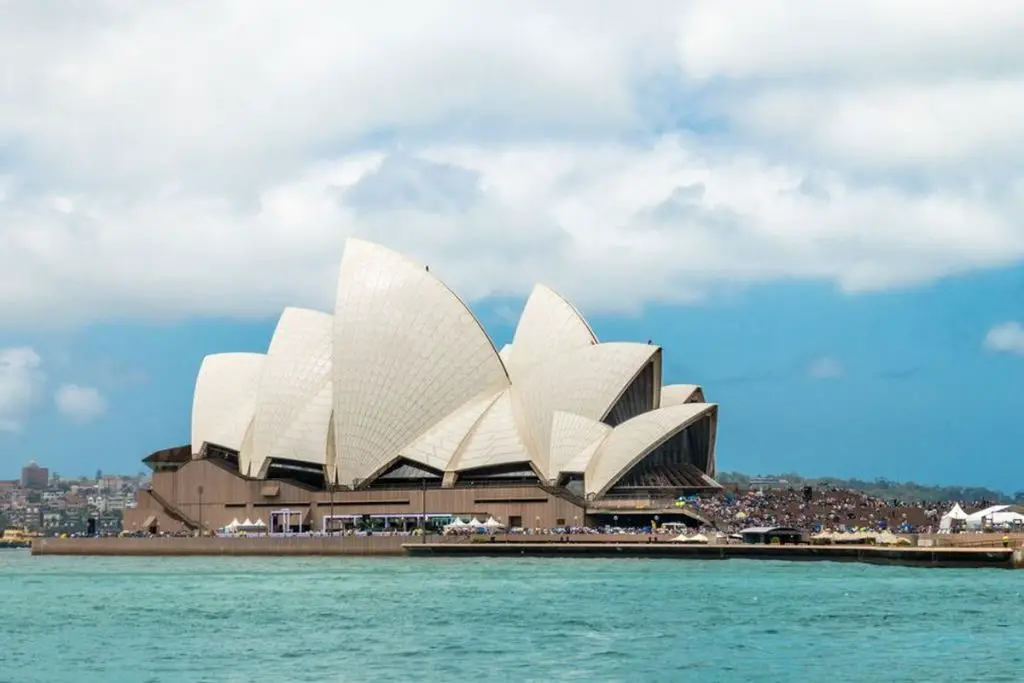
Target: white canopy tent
[(1007, 518), (956, 514), (455, 525), (976, 520), (475, 523), (491, 524), (996, 516), (251, 526)]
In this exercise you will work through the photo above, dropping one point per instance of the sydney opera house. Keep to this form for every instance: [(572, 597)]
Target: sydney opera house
[(397, 410)]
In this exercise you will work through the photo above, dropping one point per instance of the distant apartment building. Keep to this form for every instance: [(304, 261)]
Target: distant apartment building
[(35, 477), (110, 483)]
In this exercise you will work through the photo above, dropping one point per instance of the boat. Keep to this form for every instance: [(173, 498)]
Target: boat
[(16, 537)]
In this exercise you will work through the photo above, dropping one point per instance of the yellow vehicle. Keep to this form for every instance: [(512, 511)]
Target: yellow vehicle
[(17, 538)]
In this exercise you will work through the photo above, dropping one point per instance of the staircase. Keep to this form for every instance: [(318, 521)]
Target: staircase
[(562, 493), (173, 511)]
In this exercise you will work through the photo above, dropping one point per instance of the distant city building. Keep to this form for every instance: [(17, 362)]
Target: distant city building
[(34, 477)]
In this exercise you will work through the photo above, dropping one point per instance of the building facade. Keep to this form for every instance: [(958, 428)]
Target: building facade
[(35, 477)]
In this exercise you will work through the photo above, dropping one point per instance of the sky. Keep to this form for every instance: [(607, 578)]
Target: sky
[(817, 209)]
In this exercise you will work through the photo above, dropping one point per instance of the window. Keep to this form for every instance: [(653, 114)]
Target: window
[(515, 521), (560, 522)]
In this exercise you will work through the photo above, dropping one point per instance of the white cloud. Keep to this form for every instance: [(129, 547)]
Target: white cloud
[(778, 39), (826, 367), (197, 158), (1006, 337), (79, 404), (871, 84), (21, 381)]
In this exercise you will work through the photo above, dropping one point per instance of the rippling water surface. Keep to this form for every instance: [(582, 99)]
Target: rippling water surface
[(126, 620)]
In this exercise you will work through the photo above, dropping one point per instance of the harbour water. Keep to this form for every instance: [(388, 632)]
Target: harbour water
[(283, 620)]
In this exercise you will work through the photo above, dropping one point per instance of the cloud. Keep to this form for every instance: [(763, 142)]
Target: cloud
[(873, 84), (826, 367), (21, 382), (1006, 337), (622, 157), (79, 404)]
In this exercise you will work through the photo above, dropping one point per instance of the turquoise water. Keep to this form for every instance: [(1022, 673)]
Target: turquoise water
[(226, 620)]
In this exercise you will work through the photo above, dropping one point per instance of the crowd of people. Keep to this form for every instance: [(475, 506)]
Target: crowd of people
[(817, 509)]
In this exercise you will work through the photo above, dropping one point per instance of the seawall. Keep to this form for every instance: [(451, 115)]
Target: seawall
[(265, 545), (439, 546), (246, 546), (1006, 558)]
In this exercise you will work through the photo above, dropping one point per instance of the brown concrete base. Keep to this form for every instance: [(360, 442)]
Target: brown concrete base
[(917, 557), (252, 546)]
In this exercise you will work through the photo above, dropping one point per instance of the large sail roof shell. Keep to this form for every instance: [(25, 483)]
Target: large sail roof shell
[(224, 399), (407, 353)]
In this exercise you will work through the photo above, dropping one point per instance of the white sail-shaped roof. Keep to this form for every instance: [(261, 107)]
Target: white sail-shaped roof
[(437, 446), (505, 354), (579, 463), (305, 439), (571, 435), (494, 440), (291, 413), (586, 382), (549, 327), (677, 394), (403, 369), (407, 353), (224, 401), (634, 439)]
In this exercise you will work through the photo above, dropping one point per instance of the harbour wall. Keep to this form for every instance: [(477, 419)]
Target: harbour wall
[(273, 545), (214, 546), (919, 557), (508, 546)]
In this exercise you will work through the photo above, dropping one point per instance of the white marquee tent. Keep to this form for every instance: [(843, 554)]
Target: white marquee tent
[(456, 525), (995, 516), (956, 514)]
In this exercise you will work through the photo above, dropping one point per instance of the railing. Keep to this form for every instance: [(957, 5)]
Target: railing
[(173, 511)]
